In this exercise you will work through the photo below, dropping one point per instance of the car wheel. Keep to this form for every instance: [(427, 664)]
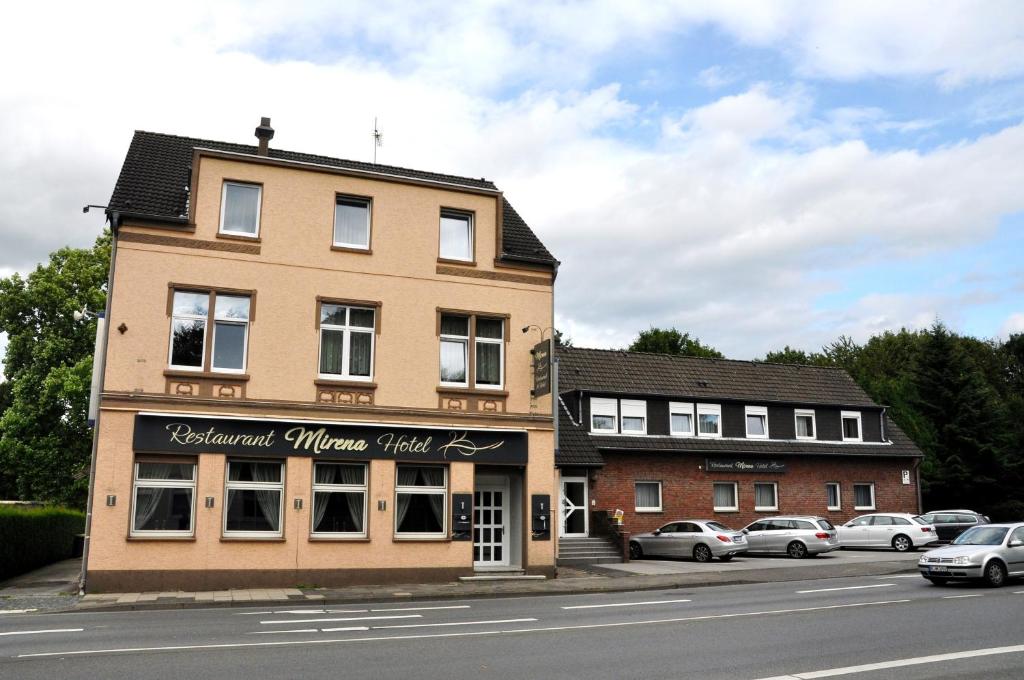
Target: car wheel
[(725, 558), (796, 550), (901, 543), (635, 551), (995, 574), (937, 581), (702, 553)]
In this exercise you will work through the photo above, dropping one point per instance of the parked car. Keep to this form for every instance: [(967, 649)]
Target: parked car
[(951, 523), (897, 530), (699, 539), (796, 536), (993, 552)]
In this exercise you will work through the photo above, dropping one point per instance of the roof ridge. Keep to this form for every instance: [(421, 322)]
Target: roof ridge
[(753, 362)]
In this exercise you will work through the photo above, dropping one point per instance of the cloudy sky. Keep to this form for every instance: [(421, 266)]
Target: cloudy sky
[(758, 174)]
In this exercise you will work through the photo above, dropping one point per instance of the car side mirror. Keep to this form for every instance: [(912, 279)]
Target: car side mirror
[(657, 532), (1015, 544), (746, 531)]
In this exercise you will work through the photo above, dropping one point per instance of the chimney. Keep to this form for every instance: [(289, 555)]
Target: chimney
[(264, 133)]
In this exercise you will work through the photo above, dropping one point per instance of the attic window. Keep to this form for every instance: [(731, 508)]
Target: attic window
[(703, 383)]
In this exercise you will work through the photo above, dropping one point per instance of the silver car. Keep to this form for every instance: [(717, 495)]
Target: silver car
[(697, 538), (900, 531), (993, 553), (796, 536)]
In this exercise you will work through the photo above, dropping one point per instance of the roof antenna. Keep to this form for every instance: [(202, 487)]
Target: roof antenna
[(378, 139)]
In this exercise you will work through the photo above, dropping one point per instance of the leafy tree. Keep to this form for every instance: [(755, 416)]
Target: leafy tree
[(561, 340), (45, 441), (788, 355), (671, 341)]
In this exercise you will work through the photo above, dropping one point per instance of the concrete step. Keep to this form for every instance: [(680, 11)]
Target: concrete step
[(583, 561), (566, 552), (502, 577)]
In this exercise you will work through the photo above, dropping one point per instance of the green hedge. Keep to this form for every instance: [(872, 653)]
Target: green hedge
[(35, 537)]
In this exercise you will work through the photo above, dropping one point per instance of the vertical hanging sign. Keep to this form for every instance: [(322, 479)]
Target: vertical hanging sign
[(541, 368)]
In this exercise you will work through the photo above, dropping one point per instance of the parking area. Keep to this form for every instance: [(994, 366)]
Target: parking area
[(663, 566)]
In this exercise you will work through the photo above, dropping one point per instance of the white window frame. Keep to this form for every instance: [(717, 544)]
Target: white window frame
[(860, 426), (709, 409), (233, 322), (163, 484), (775, 497), (339, 488), (603, 406), (223, 204), (190, 317), (500, 342), (471, 226), (346, 346), (803, 413), (460, 339), (735, 497), (681, 408), (252, 486), (636, 496), (871, 486), (422, 490), (637, 408), (760, 411), (839, 496), (338, 199)]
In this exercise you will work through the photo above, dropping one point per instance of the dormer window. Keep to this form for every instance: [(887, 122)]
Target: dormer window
[(456, 236), (634, 416), (680, 419), (851, 426), (804, 423), (757, 422), (240, 209), (709, 420), (603, 414)]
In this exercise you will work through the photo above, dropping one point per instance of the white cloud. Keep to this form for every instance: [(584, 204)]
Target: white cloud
[(1013, 324)]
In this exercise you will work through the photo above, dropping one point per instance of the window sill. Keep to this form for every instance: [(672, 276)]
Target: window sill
[(464, 263), (252, 539), (239, 237), (834, 509), (649, 512), (757, 509), (351, 249), (472, 391), (726, 509), (163, 539), (206, 375), (871, 509), (439, 539), (326, 382), (339, 539)]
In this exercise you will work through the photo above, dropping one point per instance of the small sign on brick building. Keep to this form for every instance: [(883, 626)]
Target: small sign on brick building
[(743, 465)]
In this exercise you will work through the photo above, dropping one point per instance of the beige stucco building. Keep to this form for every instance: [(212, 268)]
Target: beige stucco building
[(315, 368)]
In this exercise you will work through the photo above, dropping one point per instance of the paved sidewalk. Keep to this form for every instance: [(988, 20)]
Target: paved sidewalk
[(54, 586), (686, 575)]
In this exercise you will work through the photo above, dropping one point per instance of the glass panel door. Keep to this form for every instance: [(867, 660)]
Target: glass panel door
[(490, 526), (574, 506)]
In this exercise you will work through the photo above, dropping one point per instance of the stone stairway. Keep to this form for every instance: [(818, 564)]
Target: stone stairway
[(578, 552)]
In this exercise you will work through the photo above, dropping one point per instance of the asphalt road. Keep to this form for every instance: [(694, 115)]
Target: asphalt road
[(737, 632)]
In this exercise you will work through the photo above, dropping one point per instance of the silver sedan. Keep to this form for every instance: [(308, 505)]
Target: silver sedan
[(993, 553), (699, 539)]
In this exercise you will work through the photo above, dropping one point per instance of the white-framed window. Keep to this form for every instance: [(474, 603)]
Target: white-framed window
[(240, 209), (766, 496), (648, 496), (254, 498), (490, 352), (346, 341), (352, 222), (421, 500), (680, 419), (339, 499), (757, 422), (164, 498), (833, 497), (190, 318), (604, 413), (805, 424), (709, 420), (456, 235), (633, 416), (851, 426), (864, 496), (454, 350), (725, 497)]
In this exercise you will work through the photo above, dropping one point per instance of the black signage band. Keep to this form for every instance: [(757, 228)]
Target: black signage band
[(743, 465), (342, 441)]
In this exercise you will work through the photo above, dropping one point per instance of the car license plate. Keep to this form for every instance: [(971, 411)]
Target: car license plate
[(737, 539), (938, 570)]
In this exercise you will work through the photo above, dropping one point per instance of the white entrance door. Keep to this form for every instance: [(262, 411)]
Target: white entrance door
[(574, 507), (490, 525)]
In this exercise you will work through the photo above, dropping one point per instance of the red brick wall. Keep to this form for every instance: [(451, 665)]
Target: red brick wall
[(687, 489)]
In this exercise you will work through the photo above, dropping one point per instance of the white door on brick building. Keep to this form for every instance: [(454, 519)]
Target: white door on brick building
[(574, 522)]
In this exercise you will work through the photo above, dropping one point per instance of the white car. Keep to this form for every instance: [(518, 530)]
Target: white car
[(900, 531)]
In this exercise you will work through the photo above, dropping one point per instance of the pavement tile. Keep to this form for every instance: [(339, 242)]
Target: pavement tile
[(204, 597), (129, 598), (241, 596)]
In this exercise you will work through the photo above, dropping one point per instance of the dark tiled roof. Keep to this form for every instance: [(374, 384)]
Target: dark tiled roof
[(575, 446), (620, 372), (155, 177)]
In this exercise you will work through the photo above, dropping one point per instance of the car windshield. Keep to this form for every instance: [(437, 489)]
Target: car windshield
[(923, 519), (715, 526), (825, 524), (982, 536)]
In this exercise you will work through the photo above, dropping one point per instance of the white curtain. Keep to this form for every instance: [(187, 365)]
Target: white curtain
[(351, 223), (147, 499), (325, 474), (764, 495), (724, 496), (647, 495), (352, 474), (269, 500), (240, 208)]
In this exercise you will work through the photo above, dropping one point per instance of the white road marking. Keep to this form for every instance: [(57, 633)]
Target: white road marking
[(829, 590), (17, 611), (960, 597), (421, 609), (1018, 592), (425, 636), (351, 618), (887, 578), (306, 611), (900, 663), (452, 623), (37, 632), (623, 604), (297, 630)]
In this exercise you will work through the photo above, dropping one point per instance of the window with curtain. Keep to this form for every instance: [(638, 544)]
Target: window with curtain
[(832, 496), (757, 422), (648, 496), (724, 496), (766, 496), (490, 352), (421, 493), (454, 350), (709, 417), (863, 496), (346, 341), (804, 424), (681, 419), (191, 316), (163, 498), (339, 499), (851, 426), (253, 498), (352, 222), (456, 236), (240, 209)]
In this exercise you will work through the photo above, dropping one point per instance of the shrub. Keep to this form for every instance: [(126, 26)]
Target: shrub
[(34, 537)]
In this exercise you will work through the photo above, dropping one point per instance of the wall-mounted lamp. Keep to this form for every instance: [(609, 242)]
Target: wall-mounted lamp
[(297, 504), (209, 501), (111, 500), (382, 505)]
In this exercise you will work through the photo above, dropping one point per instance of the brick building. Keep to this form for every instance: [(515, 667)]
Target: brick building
[(664, 438)]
